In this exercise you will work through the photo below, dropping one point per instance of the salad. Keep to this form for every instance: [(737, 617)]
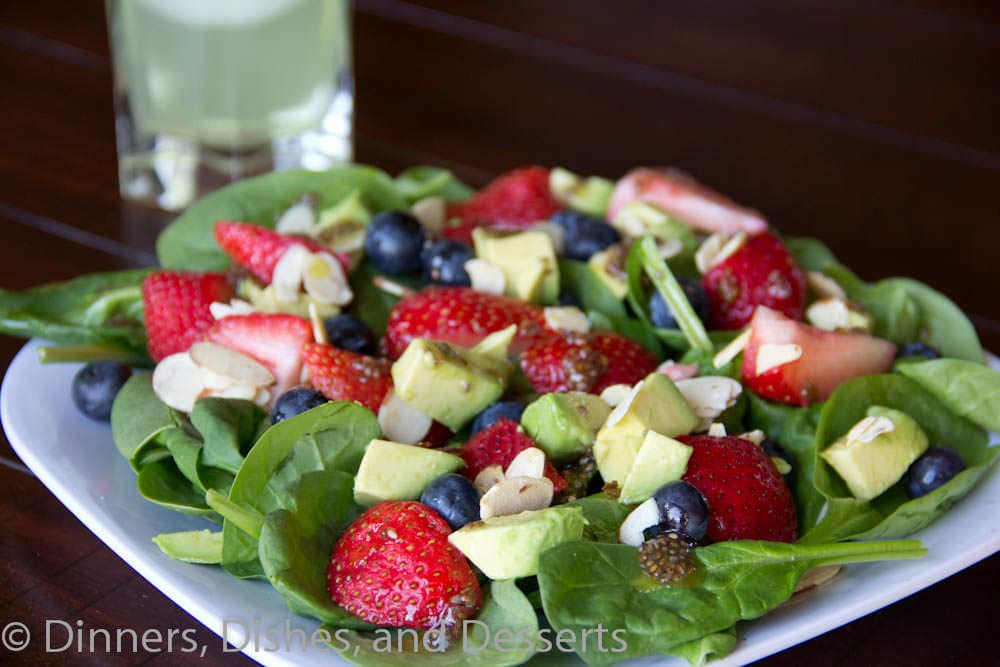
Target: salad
[(560, 414)]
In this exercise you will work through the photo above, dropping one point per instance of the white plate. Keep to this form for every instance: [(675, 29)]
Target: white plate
[(76, 459)]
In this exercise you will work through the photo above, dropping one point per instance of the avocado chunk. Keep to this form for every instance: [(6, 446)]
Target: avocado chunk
[(452, 384), (876, 452), (564, 425), (655, 405), (660, 460), (393, 471), (192, 546), (527, 259), (589, 195), (507, 547), (609, 266), (342, 226)]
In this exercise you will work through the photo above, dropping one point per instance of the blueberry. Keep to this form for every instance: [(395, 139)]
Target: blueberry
[(294, 402), (393, 241), (444, 263), (663, 317), (501, 410), (584, 235), (918, 349), (567, 298), (95, 387), (453, 497), (349, 333), (935, 467), (682, 508)]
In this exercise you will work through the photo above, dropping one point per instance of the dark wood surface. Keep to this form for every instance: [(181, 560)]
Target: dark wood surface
[(872, 125)]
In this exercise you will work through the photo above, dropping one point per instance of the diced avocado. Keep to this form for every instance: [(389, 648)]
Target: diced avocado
[(564, 425), (527, 259), (660, 460), (589, 195), (264, 300), (192, 546), (452, 384), (507, 547), (342, 226), (870, 458), (609, 266), (497, 344), (393, 471), (655, 405)]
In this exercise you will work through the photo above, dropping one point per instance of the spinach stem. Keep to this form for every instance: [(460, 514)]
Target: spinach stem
[(247, 520), (666, 284), (59, 354)]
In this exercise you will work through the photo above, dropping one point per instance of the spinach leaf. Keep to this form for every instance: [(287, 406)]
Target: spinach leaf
[(295, 545), (893, 514), (332, 436), (577, 279), (709, 647), (896, 314), (811, 254), (415, 183), (504, 633), (969, 390), (604, 516), (942, 324), (103, 310), (372, 305), (161, 482), (586, 584), (189, 242), (629, 327), (138, 416), (228, 428)]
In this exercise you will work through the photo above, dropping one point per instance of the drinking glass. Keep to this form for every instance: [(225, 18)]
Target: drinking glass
[(211, 91)]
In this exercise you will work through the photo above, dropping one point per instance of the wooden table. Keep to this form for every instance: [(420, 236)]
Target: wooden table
[(872, 125)]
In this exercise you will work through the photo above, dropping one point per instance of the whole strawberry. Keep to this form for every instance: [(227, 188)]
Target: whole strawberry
[(588, 362), (395, 567), (498, 444), (258, 249), (761, 273), (459, 315), (274, 340), (176, 309), (747, 496), (520, 198), (342, 375)]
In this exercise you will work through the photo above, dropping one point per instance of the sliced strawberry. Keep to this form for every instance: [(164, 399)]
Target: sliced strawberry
[(342, 375), (395, 567), (761, 273), (176, 308), (498, 444), (517, 199), (585, 362), (692, 203), (459, 315), (747, 497), (274, 340), (828, 359), (258, 249)]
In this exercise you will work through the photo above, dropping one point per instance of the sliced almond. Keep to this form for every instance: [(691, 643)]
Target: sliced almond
[(645, 515), (401, 422), (178, 381), (514, 495), (325, 281), (835, 314), (709, 397), (716, 249), (263, 397), (486, 276), (823, 285), (772, 355), (298, 219), (717, 430), (242, 369), (816, 576), (755, 436), (616, 394), (430, 211), (566, 318), (870, 428), (563, 183), (669, 248), (732, 349), (242, 391), (287, 277), (319, 329), (528, 463), (622, 408), (488, 477), (220, 310)]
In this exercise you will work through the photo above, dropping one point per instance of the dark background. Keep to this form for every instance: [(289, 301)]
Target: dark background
[(869, 124)]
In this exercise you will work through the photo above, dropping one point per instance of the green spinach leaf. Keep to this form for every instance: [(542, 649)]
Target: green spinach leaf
[(228, 428), (604, 516), (138, 416), (710, 647), (942, 324), (415, 183), (969, 389)]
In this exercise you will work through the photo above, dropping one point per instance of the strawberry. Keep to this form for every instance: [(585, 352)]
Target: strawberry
[(697, 206), (176, 308), (258, 249), (515, 200), (828, 359), (395, 567), (585, 362), (747, 497), (498, 444), (342, 375), (761, 273), (274, 340), (459, 315)]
